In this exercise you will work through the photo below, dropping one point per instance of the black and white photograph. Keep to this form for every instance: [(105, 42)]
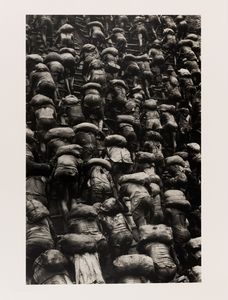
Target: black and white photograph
[(113, 125), (113, 149)]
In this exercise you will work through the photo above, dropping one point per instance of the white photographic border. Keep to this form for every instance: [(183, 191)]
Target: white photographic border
[(214, 17)]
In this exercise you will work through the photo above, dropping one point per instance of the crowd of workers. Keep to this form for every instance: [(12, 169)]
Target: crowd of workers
[(113, 156)]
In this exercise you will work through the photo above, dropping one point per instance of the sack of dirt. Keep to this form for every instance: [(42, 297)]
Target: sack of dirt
[(193, 147), (194, 251), (59, 133), (155, 233), (195, 274), (92, 87), (173, 193), (83, 210), (115, 140), (118, 82), (144, 157), (73, 110), (68, 60), (167, 108), (132, 279), (67, 167), (36, 189), (70, 100), (119, 154), (73, 243), (194, 244), (125, 119), (178, 202), (35, 211), (182, 154), (50, 278), (33, 58), (117, 228), (153, 136), (138, 178), (110, 50), (39, 100), (86, 127), (73, 149), (110, 206), (164, 264), (30, 135), (120, 242), (150, 104), (50, 268), (53, 260), (175, 160), (89, 227), (53, 56), (99, 162), (134, 264), (38, 238)]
